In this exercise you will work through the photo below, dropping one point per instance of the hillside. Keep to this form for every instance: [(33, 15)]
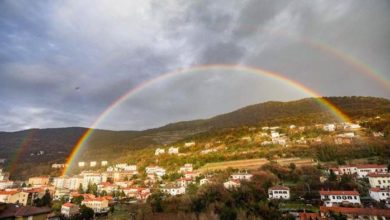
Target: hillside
[(21, 148)]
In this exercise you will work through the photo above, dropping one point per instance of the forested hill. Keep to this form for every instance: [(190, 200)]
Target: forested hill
[(22, 147), (304, 111)]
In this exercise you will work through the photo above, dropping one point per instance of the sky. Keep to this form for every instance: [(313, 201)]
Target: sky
[(63, 63)]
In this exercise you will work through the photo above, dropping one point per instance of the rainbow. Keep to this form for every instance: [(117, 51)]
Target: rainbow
[(21, 150), (255, 70)]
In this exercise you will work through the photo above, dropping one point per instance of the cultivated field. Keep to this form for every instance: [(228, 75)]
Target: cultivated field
[(252, 164), (238, 164)]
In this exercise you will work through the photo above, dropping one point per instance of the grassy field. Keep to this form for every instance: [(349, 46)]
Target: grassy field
[(238, 164), (252, 164)]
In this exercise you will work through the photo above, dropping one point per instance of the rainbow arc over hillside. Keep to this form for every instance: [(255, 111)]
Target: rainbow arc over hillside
[(219, 67)]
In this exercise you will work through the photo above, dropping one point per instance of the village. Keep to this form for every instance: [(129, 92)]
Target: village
[(101, 186)]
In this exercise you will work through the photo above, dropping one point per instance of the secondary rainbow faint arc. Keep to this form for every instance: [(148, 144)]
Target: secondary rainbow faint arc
[(274, 75)]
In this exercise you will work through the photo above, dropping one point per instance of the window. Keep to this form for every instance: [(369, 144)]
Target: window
[(349, 197), (338, 197), (355, 197), (333, 197)]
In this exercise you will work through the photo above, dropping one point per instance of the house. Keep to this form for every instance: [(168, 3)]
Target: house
[(61, 182), (107, 186), (189, 144), (81, 164), (91, 178), (309, 216), (69, 209), (16, 197), (355, 213), (361, 170), (381, 180), (274, 134), (378, 134), (190, 175), (159, 171), (61, 193), (241, 176), (379, 194), (174, 190), (335, 198), (329, 127), (39, 180), (204, 181), (279, 192), (231, 184), (92, 164), (99, 204), (12, 211), (183, 182), (6, 194), (186, 168), (3, 175), (5, 184), (173, 150), (139, 193), (159, 151), (104, 163), (351, 126), (74, 182), (57, 165), (364, 169)]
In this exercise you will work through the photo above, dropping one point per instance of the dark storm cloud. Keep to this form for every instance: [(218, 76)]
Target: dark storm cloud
[(63, 63)]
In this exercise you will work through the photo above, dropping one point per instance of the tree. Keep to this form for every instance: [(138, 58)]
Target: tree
[(228, 213), (77, 200), (332, 176), (155, 201), (86, 212), (80, 190)]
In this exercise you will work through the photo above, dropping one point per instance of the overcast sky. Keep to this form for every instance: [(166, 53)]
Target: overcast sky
[(62, 63)]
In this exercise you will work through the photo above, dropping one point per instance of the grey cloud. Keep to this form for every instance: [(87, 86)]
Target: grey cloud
[(48, 49)]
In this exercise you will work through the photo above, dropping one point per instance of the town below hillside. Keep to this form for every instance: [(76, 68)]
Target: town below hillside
[(333, 170)]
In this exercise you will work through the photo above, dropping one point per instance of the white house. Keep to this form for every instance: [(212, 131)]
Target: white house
[(189, 144), (81, 164), (69, 209), (173, 191), (379, 194), (75, 181), (99, 204), (159, 151), (92, 178), (364, 169), (184, 182), (381, 180), (159, 171), (4, 184), (279, 192), (275, 134), (186, 168), (231, 184), (361, 170), (335, 198), (57, 165), (329, 127), (204, 181), (173, 150), (61, 182), (241, 176)]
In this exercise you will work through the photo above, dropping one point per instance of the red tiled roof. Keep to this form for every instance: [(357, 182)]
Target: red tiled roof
[(309, 216), (357, 211), (334, 192), (68, 204), (377, 189), (8, 192), (370, 166), (279, 188), (378, 175)]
